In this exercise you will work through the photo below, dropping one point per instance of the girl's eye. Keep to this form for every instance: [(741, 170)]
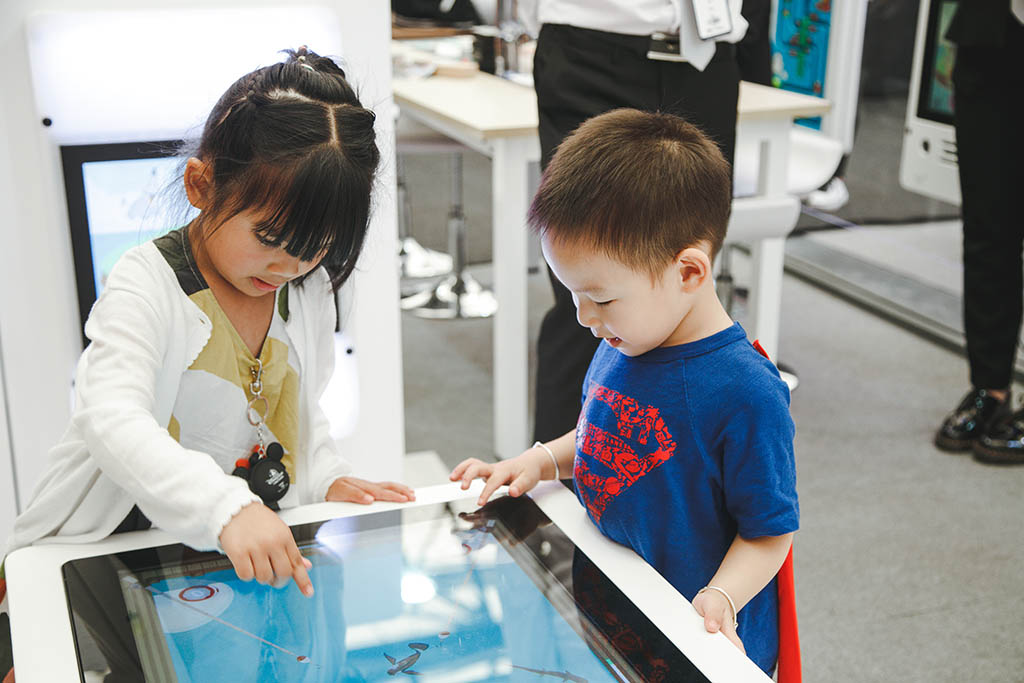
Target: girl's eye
[(268, 242), (604, 303)]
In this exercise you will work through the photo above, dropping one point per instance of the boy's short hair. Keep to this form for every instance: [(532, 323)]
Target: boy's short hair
[(637, 186)]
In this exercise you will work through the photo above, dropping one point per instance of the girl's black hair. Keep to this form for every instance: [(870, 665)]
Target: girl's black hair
[(292, 143)]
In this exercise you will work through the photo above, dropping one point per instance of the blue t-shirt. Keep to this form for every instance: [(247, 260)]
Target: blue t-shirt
[(680, 449)]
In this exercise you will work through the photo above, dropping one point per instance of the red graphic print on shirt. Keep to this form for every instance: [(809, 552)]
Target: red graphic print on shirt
[(634, 422)]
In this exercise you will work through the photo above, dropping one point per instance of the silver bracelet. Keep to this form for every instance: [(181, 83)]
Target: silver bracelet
[(735, 620), (558, 472)]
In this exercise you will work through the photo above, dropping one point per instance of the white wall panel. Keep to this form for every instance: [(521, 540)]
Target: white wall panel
[(38, 305)]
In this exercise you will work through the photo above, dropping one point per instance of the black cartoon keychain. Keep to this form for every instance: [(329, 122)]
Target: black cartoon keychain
[(263, 469)]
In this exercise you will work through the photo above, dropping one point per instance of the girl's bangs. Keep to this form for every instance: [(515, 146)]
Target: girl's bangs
[(310, 209)]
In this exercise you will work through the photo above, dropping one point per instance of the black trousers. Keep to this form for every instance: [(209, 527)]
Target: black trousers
[(989, 119), (578, 74)]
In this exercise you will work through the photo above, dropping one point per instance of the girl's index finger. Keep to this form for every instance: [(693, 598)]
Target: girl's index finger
[(302, 579), (388, 494), (299, 566)]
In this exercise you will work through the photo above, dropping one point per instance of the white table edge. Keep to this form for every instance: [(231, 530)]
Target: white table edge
[(27, 567)]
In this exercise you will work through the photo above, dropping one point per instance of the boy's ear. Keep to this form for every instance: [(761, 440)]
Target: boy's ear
[(694, 268), (198, 183)]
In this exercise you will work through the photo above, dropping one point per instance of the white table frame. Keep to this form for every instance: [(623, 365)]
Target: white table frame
[(499, 119), (41, 626)]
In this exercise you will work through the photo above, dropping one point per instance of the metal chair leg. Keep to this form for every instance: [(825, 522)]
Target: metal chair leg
[(417, 262), (458, 295)]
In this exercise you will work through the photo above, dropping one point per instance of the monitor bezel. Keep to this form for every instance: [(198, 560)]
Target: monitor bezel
[(927, 67), (72, 159), (512, 539)]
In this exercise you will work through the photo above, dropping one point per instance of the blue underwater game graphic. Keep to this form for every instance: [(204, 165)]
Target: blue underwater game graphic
[(126, 206), (411, 601)]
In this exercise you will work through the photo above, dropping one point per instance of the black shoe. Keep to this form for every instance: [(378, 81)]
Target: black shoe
[(965, 425), (1002, 441)]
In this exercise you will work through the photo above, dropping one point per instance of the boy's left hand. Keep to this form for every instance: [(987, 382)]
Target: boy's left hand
[(718, 616), (353, 490)]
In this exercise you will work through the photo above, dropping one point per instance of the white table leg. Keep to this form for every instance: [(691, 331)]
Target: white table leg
[(509, 187), (766, 292), (767, 254)]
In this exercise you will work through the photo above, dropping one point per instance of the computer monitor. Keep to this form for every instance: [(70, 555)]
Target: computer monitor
[(929, 162), (450, 592), (116, 200)]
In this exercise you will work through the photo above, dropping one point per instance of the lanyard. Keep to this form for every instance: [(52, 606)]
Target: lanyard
[(263, 469)]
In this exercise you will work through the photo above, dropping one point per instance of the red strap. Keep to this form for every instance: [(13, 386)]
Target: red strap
[(760, 349), (789, 635)]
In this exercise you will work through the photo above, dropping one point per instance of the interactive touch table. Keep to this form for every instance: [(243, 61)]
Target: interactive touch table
[(520, 590)]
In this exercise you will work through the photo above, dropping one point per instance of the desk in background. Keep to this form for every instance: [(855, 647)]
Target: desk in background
[(498, 118)]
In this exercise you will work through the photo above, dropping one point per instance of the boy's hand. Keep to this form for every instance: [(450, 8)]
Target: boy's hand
[(718, 616), (261, 546), (521, 473), (353, 490)]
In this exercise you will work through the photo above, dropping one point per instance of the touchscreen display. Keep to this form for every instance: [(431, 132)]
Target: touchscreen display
[(935, 100), (123, 207), (442, 593)]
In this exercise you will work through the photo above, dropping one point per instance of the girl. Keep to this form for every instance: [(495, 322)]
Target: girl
[(214, 343)]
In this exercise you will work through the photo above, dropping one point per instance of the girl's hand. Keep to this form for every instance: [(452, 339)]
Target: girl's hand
[(718, 616), (261, 546), (352, 490), (521, 473)]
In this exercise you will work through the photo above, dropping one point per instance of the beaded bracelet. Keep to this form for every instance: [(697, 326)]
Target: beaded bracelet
[(558, 472), (735, 621)]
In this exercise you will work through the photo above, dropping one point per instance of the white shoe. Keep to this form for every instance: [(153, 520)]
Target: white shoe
[(830, 198)]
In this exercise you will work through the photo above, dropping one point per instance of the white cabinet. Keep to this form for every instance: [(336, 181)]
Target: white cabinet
[(8, 499)]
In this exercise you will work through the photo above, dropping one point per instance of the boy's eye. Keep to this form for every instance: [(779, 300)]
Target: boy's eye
[(604, 303)]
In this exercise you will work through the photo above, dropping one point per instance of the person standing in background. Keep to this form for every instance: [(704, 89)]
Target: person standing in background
[(988, 88), (597, 55)]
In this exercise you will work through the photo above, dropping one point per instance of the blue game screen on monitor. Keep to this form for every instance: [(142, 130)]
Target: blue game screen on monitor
[(428, 592), (935, 99), (119, 196), (124, 207)]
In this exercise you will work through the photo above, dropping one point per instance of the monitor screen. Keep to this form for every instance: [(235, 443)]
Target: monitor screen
[(116, 200), (447, 592), (935, 99)]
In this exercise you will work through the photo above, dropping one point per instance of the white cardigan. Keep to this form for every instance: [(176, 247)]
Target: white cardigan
[(117, 453)]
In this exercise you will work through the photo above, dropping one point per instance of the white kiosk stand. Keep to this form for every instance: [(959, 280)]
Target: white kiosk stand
[(152, 70), (928, 164)]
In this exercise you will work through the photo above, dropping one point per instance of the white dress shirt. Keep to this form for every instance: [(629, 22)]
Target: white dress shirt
[(636, 17)]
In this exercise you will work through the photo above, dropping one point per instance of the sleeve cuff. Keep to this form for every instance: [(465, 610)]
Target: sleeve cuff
[(225, 510), (341, 468)]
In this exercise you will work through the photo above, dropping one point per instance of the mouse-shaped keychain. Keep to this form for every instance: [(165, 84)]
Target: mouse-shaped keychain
[(263, 468)]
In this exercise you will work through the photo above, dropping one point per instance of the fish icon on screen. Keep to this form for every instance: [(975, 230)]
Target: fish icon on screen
[(402, 666), (563, 675)]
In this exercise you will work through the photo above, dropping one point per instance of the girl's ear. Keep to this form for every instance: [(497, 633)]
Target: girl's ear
[(198, 183), (694, 268)]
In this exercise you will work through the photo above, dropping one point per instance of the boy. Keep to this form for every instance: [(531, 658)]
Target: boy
[(684, 446)]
